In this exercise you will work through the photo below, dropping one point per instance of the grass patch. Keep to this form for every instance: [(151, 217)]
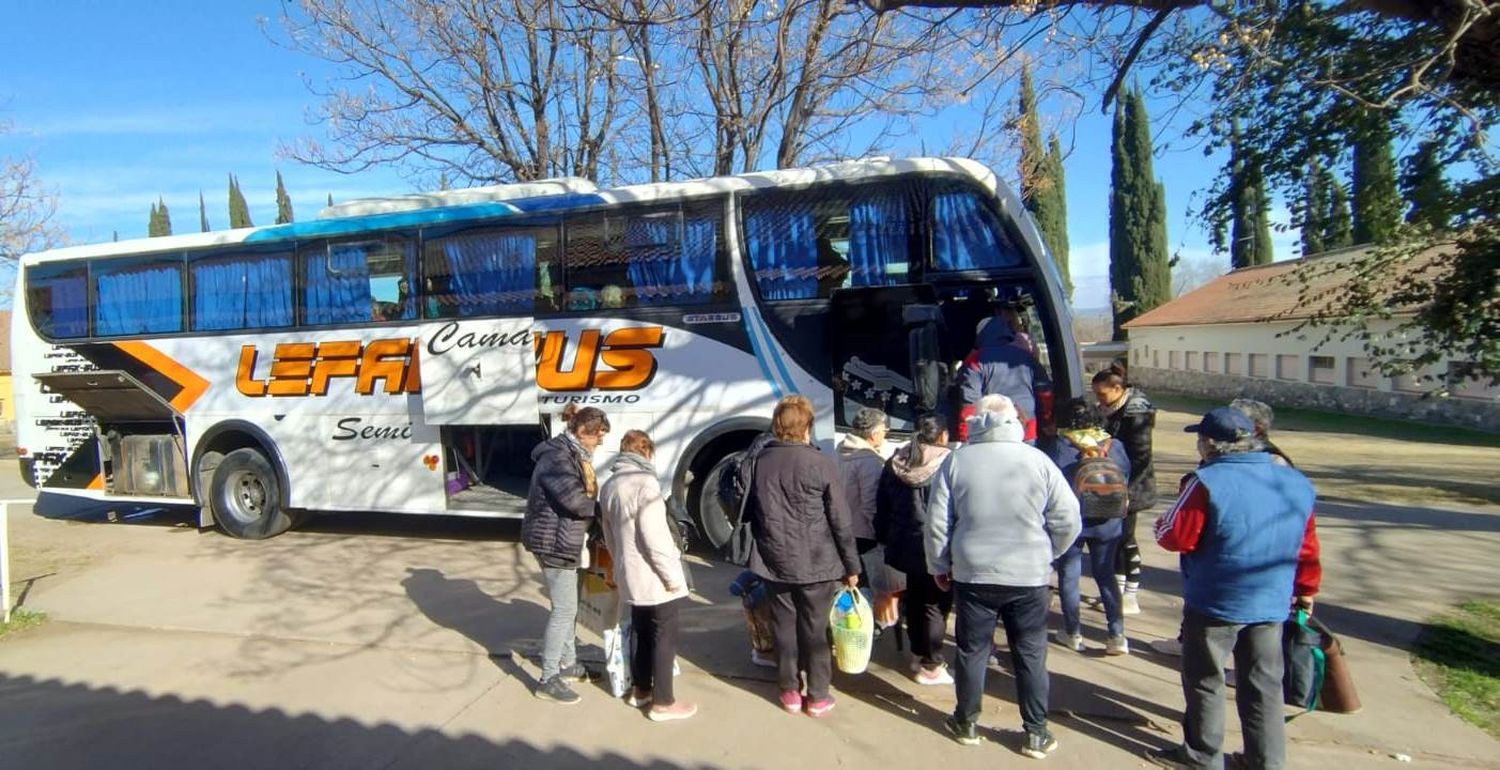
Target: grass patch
[(20, 620), (1332, 422), (1458, 655)]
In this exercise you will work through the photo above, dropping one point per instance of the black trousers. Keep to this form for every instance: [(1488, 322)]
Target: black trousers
[(925, 608), (655, 631), (1023, 612), (800, 615)]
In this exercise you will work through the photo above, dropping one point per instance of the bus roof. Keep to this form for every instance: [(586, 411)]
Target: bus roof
[(451, 207)]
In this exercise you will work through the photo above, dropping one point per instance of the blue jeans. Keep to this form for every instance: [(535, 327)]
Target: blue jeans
[(1023, 611), (559, 640), (1103, 542)]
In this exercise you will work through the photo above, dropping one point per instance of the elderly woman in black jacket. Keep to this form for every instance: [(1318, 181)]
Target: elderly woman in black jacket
[(561, 504), (1129, 417), (804, 546)]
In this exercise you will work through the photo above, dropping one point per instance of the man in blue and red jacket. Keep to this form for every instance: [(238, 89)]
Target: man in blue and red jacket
[(1244, 526)]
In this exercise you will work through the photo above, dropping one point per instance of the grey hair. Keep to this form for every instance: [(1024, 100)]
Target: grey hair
[(1259, 413), (1239, 446), (866, 420), (999, 404)]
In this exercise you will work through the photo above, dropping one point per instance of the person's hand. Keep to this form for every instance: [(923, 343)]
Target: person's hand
[(943, 582), (851, 582), (1304, 603)]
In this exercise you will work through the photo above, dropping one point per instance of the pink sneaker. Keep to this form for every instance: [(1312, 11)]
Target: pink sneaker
[(820, 708), (791, 701), (678, 710)]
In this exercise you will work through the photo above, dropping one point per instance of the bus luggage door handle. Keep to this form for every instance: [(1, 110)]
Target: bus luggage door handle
[(474, 370)]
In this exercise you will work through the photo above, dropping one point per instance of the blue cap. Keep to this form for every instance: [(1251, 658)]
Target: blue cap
[(1224, 424)]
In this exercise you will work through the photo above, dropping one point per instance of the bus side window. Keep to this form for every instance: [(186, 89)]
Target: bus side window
[(967, 236), (134, 296), (488, 272), (57, 298), (241, 291), (597, 263), (803, 246)]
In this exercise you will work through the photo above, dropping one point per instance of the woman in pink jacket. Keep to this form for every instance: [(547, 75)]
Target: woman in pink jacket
[(648, 572)]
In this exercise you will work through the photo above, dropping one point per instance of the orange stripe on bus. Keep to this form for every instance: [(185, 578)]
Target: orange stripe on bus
[(97, 482), (193, 386)]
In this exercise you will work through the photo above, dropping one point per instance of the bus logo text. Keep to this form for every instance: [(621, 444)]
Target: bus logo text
[(306, 368), (625, 353)]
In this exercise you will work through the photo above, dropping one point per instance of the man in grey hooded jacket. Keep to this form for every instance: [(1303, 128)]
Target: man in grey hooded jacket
[(1000, 514)]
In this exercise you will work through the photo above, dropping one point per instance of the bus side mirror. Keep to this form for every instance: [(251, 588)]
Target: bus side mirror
[(922, 330)]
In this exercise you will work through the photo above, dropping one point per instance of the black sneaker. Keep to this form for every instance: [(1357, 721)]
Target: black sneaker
[(1039, 745), (1174, 757), (557, 691), (577, 673), (966, 733)]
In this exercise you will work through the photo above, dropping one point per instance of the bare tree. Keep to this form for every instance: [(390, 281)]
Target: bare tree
[(26, 210)]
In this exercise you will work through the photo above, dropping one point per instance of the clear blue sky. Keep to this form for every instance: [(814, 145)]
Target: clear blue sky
[(124, 103)]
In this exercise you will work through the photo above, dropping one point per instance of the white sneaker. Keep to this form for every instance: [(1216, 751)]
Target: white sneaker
[(934, 676), (1073, 642), (1117, 645), (1170, 647), (1130, 603)]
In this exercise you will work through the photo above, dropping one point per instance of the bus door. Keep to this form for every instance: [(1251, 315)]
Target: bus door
[(479, 372), (885, 344)]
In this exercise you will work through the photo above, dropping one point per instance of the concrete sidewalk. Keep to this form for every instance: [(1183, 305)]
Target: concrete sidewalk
[(361, 643)]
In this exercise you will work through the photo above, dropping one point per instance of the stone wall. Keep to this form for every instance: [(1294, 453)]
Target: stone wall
[(1468, 413)]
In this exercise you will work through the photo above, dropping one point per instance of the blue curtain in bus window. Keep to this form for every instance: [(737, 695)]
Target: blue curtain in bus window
[(666, 272), (877, 240), (59, 303), (783, 251), (138, 299), (250, 292), (492, 273), (965, 235), (336, 286)]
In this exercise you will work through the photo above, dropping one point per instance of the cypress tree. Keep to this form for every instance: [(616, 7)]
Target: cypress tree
[(283, 202), (202, 214), (1140, 273), (1377, 206), (153, 225), (114, 235), (1059, 242), (1314, 209), (166, 216), (330, 199), (1340, 232), (1242, 205), (239, 212), (1425, 188), (1263, 251), (1040, 179)]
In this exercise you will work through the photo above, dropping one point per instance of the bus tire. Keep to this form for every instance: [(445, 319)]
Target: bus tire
[(245, 497), (713, 519)]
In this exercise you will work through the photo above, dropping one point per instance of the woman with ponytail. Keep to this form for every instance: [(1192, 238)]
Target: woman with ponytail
[(1129, 417)]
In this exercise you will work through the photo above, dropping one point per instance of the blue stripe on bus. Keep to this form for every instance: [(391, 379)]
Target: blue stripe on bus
[(327, 228), (557, 202), (760, 357), (775, 355)]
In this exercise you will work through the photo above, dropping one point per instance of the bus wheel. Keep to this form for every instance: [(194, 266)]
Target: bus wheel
[(712, 516), (246, 497)]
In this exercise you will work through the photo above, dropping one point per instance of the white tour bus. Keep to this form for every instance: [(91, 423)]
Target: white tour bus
[(406, 354)]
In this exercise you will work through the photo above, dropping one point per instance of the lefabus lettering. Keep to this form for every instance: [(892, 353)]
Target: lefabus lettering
[(307, 368), (621, 360)]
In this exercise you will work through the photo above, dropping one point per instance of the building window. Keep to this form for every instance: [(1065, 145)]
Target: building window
[(1192, 360), (1174, 359), (1361, 373), (1156, 359), (1234, 363), (1260, 365), (1211, 363), (1320, 369), (1286, 368), (1416, 381), (1472, 386)]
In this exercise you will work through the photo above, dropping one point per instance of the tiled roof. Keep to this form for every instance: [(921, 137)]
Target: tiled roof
[(1291, 290)]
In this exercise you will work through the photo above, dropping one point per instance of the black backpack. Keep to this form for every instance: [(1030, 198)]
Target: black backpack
[(1103, 490), (734, 495)]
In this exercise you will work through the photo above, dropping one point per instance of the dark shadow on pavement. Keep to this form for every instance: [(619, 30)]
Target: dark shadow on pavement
[(48, 725), (1426, 518), (494, 625)]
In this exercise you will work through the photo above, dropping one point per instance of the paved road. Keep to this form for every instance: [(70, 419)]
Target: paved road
[(379, 642)]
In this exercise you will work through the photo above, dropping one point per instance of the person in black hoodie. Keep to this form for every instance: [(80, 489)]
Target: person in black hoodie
[(1130, 418), (804, 545), (561, 504), (900, 518)]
